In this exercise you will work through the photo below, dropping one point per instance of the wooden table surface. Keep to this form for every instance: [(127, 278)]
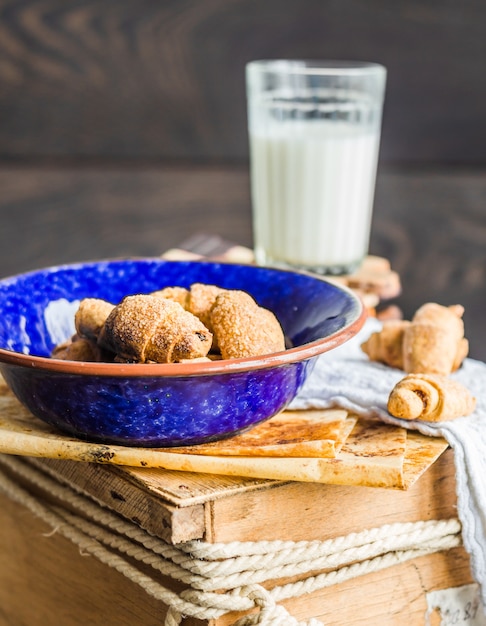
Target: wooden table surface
[(123, 129), (430, 223)]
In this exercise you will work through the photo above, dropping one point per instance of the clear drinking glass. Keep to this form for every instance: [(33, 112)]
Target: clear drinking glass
[(314, 131)]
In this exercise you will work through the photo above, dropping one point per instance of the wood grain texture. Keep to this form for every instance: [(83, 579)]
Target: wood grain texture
[(246, 511), (120, 492), (45, 580), (393, 597), (159, 87), (165, 80), (308, 511), (50, 216), (431, 224)]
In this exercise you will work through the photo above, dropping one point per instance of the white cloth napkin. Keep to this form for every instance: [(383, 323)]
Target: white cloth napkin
[(346, 378)]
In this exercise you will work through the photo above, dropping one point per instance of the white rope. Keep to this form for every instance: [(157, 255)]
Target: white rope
[(237, 568)]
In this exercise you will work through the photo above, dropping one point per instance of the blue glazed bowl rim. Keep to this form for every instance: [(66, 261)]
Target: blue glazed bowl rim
[(286, 357)]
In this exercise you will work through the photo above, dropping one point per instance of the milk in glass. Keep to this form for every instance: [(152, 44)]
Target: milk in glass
[(313, 162), (312, 192)]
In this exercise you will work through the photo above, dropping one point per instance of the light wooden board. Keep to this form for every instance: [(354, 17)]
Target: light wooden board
[(374, 454)]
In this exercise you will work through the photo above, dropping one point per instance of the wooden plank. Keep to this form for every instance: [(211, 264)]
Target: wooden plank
[(84, 80), (307, 511), (447, 264), (286, 512), (393, 597), (44, 579), (180, 489), (171, 523), (76, 214), (167, 504)]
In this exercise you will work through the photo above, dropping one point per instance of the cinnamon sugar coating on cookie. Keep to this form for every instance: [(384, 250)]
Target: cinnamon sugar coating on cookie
[(173, 325), (201, 300), (244, 329), (147, 328), (79, 349), (177, 294), (91, 316)]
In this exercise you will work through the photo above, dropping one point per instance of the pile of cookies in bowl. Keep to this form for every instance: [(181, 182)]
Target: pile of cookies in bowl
[(173, 325), (82, 347)]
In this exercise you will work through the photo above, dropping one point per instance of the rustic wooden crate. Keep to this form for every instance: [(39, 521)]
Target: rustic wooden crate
[(44, 579)]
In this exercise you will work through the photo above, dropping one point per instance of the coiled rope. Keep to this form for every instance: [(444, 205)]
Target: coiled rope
[(237, 568)]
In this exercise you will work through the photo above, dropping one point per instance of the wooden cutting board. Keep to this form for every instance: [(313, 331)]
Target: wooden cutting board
[(358, 452)]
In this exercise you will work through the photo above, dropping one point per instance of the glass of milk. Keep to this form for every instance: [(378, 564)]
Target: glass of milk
[(314, 130)]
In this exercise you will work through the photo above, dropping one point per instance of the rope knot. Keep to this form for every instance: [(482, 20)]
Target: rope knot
[(260, 596), (221, 578), (270, 613)]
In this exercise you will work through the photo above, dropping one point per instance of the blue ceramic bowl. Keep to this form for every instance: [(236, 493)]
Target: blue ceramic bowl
[(161, 405)]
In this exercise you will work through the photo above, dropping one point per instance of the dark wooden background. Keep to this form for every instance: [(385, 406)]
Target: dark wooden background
[(123, 129)]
